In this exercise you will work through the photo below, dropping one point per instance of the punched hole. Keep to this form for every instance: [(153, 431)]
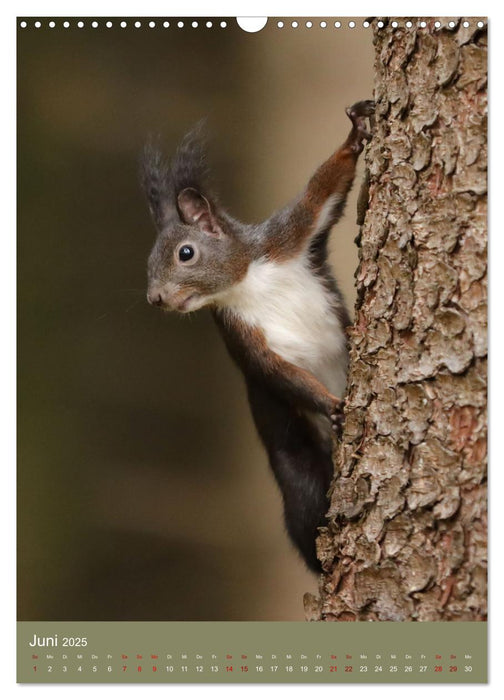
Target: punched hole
[(251, 24)]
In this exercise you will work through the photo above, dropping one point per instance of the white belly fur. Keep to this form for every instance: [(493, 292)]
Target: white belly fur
[(294, 311)]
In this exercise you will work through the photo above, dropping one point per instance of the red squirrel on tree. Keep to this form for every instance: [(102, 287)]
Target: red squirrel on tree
[(276, 304)]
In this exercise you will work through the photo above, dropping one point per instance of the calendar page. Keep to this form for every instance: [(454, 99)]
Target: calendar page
[(252, 349)]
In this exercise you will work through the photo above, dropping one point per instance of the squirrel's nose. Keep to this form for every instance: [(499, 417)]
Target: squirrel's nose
[(155, 297)]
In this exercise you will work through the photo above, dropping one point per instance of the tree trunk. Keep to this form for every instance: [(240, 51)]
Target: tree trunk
[(406, 538)]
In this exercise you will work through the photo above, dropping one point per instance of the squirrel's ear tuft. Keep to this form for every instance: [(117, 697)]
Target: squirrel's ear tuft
[(189, 165), (173, 190), (156, 181), (195, 209)]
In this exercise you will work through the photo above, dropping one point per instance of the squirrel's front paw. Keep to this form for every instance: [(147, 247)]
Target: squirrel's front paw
[(364, 108), (358, 113), (336, 416)]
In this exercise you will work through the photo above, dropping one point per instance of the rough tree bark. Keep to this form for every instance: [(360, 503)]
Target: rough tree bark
[(406, 538)]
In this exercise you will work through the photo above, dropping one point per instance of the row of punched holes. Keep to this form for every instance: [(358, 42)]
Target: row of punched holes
[(223, 24)]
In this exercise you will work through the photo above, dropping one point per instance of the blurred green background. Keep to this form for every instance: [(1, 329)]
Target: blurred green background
[(144, 493)]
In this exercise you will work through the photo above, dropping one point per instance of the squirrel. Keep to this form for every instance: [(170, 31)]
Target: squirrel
[(275, 302)]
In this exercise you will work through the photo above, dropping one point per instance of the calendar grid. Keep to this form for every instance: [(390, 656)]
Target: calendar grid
[(244, 652)]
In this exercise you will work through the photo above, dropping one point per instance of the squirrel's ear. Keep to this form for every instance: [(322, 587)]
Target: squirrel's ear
[(195, 209)]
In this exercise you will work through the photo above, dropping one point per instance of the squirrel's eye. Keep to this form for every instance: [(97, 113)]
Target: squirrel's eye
[(186, 253)]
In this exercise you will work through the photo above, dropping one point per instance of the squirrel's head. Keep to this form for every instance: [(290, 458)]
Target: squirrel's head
[(197, 254)]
